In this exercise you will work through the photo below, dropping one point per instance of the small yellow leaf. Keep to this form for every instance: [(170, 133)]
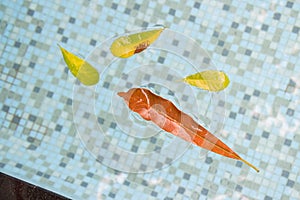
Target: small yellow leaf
[(211, 80), (81, 69), (129, 45)]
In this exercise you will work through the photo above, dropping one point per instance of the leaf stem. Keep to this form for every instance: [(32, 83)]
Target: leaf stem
[(249, 164)]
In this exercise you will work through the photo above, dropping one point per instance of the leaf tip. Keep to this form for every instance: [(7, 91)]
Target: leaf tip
[(63, 50), (60, 47), (250, 165)]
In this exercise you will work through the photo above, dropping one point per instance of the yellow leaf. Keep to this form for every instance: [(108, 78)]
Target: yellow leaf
[(211, 80), (81, 69), (129, 45)]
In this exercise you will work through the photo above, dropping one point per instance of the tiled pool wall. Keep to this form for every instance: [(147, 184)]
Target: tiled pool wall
[(255, 42)]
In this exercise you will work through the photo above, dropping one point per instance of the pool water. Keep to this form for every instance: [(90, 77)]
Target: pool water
[(83, 143)]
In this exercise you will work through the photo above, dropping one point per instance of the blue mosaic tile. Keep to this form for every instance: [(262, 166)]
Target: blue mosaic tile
[(255, 43)]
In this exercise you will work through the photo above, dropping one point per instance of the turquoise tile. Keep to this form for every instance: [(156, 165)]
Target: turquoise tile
[(255, 43)]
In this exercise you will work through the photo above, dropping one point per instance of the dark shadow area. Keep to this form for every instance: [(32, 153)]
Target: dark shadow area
[(15, 189)]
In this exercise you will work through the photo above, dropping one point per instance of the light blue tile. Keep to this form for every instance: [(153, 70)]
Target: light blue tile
[(51, 19)]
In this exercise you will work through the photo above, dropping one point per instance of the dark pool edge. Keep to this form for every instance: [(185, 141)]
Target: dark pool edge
[(13, 188)]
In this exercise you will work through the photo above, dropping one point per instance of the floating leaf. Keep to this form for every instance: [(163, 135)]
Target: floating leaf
[(167, 116), (129, 45), (81, 69), (211, 80)]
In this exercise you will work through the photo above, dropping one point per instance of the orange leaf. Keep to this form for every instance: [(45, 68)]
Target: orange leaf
[(167, 116)]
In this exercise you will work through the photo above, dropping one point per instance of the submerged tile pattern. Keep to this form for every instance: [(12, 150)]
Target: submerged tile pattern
[(256, 43)]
